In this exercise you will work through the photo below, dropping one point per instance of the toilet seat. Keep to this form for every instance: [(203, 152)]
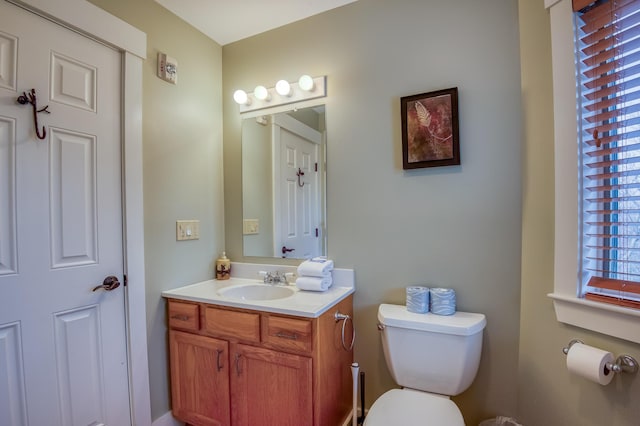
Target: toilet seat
[(411, 407)]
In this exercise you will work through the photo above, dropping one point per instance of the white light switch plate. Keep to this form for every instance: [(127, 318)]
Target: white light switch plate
[(187, 230), (250, 227)]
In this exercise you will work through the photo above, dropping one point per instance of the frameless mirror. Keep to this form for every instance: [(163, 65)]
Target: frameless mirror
[(284, 184)]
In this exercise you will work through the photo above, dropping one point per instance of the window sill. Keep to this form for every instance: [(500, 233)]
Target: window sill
[(612, 320)]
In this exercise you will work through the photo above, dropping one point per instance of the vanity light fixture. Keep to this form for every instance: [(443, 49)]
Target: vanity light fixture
[(306, 83), (262, 93), (241, 97), (283, 88), (304, 89)]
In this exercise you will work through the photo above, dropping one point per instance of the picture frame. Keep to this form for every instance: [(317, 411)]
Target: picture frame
[(430, 129)]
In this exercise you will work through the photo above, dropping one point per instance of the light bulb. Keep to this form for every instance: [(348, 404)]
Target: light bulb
[(306, 83), (283, 88), (241, 97), (261, 93)]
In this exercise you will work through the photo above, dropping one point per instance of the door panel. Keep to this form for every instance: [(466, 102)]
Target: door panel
[(8, 61), (78, 363), (73, 83), (13, 407), (8, 263), (199, 379), (74, 237), (258, 375)]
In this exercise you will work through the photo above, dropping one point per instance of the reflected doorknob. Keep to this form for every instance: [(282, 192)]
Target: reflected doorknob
[(286, 250), (109, 283)]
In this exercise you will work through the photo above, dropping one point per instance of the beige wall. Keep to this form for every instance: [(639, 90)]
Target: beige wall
[(547, 394), (182, 151), (453, 226)]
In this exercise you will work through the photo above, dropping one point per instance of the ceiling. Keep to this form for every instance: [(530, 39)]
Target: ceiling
[(226, 21)]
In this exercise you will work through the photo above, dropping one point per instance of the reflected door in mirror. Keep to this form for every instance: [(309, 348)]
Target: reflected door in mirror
[(297, 232), (283, 184)]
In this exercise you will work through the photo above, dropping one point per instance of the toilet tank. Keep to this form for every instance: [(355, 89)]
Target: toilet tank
[(431, 353)]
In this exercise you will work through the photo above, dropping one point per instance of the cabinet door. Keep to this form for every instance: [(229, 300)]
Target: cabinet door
[(270, 388), (199, 379)]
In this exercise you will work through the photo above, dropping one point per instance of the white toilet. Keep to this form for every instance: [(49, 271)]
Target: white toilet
[(432, 357)]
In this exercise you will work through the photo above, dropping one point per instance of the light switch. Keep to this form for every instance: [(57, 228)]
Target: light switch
[(250, 226), (187, 230)]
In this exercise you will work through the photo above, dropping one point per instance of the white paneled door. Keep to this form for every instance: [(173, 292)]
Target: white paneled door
[(63, 352), (298, 200)]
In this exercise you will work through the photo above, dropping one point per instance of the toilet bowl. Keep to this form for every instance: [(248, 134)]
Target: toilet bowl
[(405, 407), (432, 357)]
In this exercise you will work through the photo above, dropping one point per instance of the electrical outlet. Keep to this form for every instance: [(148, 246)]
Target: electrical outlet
[(187, 230)]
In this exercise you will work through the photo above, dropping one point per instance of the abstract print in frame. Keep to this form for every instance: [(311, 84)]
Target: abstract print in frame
[(430, 129)]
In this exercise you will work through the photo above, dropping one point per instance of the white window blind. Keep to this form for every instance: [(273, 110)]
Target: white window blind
[(608, 56)]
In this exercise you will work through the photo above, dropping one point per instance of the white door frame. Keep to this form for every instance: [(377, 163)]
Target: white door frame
[(90, 20)]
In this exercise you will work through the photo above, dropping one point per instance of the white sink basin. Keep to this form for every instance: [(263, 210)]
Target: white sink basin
[(256, 292)]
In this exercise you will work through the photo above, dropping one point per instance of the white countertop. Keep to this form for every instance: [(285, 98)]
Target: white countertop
[(309, 304)]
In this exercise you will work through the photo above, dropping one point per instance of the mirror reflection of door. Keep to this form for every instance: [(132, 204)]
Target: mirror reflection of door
[(296, 184), (283, 191)]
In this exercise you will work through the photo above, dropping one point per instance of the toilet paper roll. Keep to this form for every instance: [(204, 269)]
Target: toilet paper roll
[(443, 301), (418, 299), (590, 363)]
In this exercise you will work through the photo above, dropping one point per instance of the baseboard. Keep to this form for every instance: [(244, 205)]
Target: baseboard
[(349, 420), (166, 420)]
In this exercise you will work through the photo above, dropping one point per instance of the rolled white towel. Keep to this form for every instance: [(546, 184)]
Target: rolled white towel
[(314, 283), (316, 267)]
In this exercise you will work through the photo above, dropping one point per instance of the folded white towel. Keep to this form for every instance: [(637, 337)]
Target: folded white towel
[(314, 283), (316, 267)]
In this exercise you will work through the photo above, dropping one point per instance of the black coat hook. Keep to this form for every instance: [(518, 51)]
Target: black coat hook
[(300, 173), (30, 98)]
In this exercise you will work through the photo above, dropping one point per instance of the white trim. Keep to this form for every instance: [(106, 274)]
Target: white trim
[(94, 22), (134, 241), (570, 309), (297, 127), (549, 3), (167, 419), (607, 319), (89, 19), (566, 150), (284, 108)]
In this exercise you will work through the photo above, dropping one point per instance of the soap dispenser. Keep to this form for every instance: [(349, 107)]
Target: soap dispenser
[(223, 267)]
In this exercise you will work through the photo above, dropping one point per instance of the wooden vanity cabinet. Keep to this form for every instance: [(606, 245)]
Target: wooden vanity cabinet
[(271, 388), (236, 367), (199, 379)]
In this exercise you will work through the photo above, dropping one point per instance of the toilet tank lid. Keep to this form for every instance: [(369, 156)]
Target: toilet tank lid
[(460, 323)]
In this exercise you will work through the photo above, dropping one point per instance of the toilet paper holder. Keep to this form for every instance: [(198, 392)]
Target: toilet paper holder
[(623, 364)]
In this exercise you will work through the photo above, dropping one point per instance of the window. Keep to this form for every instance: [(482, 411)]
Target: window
[(608, 58), (610, 217)]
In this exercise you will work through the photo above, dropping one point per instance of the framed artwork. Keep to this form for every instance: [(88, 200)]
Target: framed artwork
[(430, 129)]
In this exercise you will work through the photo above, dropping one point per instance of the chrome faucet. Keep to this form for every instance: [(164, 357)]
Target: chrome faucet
[(276, 277)]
